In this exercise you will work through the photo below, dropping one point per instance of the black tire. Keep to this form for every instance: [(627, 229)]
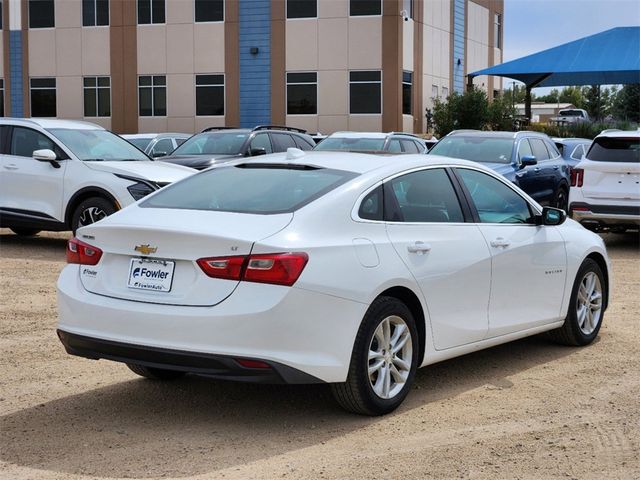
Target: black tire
[(356, 394), (561, 198), (91, 210), (155, 373), (25, 232), (570, 333)]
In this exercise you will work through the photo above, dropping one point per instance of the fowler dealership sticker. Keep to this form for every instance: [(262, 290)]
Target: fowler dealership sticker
[(146, 274)]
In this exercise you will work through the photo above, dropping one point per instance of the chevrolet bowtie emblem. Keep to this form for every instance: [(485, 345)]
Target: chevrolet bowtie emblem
[(145, 249)]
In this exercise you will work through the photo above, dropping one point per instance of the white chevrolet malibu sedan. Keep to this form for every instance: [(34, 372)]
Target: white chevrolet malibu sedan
[(328, 267)]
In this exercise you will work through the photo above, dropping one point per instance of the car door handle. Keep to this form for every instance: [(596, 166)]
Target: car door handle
[(500, 243), (11, 166), (537, 169), (419, 247), (556, 167)]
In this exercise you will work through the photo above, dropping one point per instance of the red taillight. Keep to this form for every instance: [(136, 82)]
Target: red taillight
[(274, 268), (577, 177), (229, 268), (247, 363), (82, 253)]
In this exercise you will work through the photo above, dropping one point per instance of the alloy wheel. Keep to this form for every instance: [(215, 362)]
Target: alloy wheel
[(91, 215), (589, 303), (390, 357)]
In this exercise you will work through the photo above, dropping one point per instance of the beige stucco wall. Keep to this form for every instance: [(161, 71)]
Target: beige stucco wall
[(477, 55), (436, 50), (180, 49), (331, 45)]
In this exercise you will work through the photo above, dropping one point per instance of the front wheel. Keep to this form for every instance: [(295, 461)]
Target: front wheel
[(383, 362), (90, 211), (586, 307)]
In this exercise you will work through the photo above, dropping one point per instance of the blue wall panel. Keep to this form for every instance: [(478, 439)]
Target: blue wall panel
[(15, 73), (458, 45), (255, 69)]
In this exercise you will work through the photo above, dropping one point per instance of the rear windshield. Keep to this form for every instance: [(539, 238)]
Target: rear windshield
[(607, 149), (477, 148), (250, 188), (570, 113), (213, 144)]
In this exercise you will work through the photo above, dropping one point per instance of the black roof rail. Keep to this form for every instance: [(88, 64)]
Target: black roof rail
[(213, 129), (407, 134), (279, 127)]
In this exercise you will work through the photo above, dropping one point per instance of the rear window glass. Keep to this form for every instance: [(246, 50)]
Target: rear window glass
[(607, 149), (352, 144), (478, 148), (250, 188)]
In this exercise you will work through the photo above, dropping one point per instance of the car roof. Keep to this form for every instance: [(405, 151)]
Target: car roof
[(376, 135), (358, 162), (497, 134), (154, 135), (620, 134), (50, 123)]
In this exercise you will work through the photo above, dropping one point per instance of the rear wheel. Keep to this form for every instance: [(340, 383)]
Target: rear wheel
[(25, 232), (90, 211), (561, 199), (384, 360), (155, 373), (586, 307)]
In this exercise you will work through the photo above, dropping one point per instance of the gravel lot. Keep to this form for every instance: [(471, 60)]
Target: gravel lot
[(529, 409)]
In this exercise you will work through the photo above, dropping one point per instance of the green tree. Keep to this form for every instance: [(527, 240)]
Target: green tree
[(593, 101), (626, 105), (501, 113), (572, 95), (468, 110)]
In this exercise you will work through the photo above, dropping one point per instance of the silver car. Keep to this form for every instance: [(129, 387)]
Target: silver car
[(157, 144)]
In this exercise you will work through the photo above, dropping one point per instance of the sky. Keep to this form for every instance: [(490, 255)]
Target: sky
[(534, 25)]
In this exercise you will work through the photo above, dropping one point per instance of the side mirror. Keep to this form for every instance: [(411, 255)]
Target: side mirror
[(159, 154), (46, 155), (553, 216), (528, 160), (254, 152)]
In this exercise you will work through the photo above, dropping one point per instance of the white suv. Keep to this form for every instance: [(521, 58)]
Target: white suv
[(605, 185), (61, 174)]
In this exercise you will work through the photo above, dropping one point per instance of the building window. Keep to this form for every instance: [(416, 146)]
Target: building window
[(41, 14), (150, 11), (365, 90), (445, 92), (209, 10), (302, 93), (95, 13), (97, 96), (209, 95), (43, 97), (358, 8), (434, 91), (497, 30), (302, 8), (407, 82), (152, 95), (1, 93)]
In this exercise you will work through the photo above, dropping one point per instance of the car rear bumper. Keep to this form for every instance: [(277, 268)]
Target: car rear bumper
[(217, 366), (602, 217), (288, 328)]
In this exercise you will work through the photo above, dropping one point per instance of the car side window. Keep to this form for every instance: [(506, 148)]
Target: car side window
[(578, 152), (163, 146), (524, 149), (539, 150), (408, 146), (394, 146), (495, 202), (371, 205), (282, 141), (426, 196), (421, 148), (301, 143), (25, 141), (552, 149), (261, 141), (180, 141)]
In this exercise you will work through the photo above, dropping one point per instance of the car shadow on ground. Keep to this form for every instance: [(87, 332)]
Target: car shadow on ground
[(50, 247), (140, 428)]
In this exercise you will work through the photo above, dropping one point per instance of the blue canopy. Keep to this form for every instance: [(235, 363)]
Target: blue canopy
[(609, 57)]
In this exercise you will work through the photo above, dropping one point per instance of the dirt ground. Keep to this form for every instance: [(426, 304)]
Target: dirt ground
[(529, 409)]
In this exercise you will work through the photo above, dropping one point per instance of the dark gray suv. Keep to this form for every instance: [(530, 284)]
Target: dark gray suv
[(217, 145)]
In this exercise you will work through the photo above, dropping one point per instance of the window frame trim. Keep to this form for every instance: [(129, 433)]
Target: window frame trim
[(96, 88), (95, 18), (195, 21), (29, 27), (286, 91), (55, 89), (349, 82), (195, 93), (138, 24), (152, 86)]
